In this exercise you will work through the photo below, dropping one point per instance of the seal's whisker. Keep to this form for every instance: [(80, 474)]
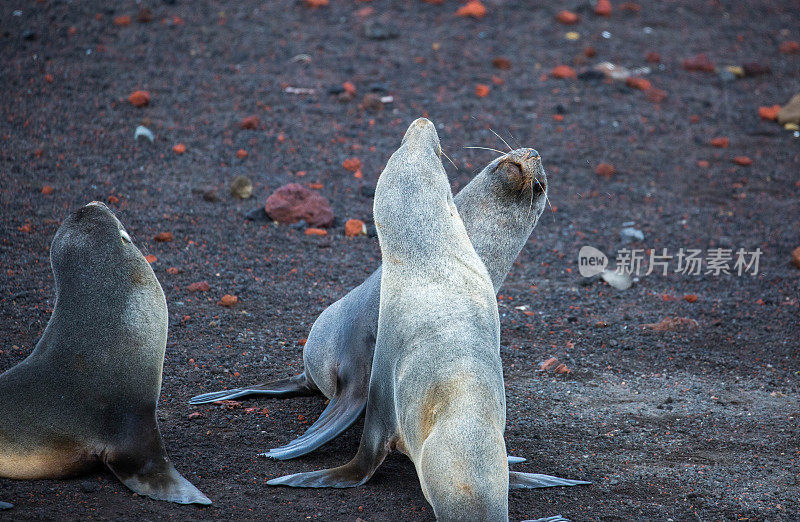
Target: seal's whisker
[(487, 148), (519, 145), (448, 159), (501, 139)]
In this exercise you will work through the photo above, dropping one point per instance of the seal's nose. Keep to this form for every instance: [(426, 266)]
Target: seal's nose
[(532, 154)]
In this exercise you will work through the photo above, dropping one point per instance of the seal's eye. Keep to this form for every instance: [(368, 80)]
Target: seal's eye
[(125, 237)]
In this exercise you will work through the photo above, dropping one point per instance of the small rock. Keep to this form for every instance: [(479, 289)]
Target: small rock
[(143, 132), (257, 214), (47, 190), (250, 122), (173, 270), (721, 143), (241, 153), (589, 51), (653, 57), (690, 298), (552, 364), (376, 30), (293, 202), (179, 149), (371, 102), (605, 170), (631, 234), (313, 4), (769, 113), (228, 300), (796, 257), (473, 8), (316, 232), (355, 227), (635, 82), (144, 16), (744, 161), (755, 69), (698, 63), (352, 164), (122, 21), (163, 237), (89, 486), (631, 7), (567, 17), (790, 113), (241, 187), (150, 258), (602, 8), (672, 324), (501, 63), (481, 90), (790, 47), (200, 286), (563, 71), (139, 98), (703, 164)]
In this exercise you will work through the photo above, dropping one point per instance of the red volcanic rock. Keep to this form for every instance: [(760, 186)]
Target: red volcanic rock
[(790, 47), (744, 161), (698, 63), (796, 257), (481, 90), (163, 237), (602, 8), (139, 98), (473, 8), (635, 82), (501, 63), (294, 202), (228, 300), (690, 298), (122, 21), (721, 143), (653, 57), (200, 286), (316, 232), (351, 164), (769, 113), (563, 71), (605, 170), (251, 122), (567, 17), (354, 227)]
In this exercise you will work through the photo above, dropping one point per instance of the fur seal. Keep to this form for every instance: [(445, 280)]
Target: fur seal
[(88, 391), (500, 208), (436, 390)]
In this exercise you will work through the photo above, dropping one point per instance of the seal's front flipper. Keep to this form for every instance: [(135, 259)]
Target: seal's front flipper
[(517, 480), (297, 386), (142, 465), (340, 414), (557, 518), (515, 460), (5, 505)]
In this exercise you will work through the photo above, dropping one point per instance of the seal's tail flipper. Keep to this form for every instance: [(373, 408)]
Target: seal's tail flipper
[(297, 386), (517, 480), (5, 505), (142, 465), (340, 414)]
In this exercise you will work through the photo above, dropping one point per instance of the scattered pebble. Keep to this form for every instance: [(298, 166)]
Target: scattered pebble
[(653, 57), (122, 21), (656, 95), (355, 227), (563, 71), (602, 8), (743, 161), (553, 365), (47, 190), (703, 164), (790, 47), (250, 122), (241, 187), (605, 170), (150, 258), (139, 98), (481, 90), (473, 8), (241, 153), (721, 143), (567, 17), (316, 232), (796, 257), (228, 299), (636, 82), (501, 63), (143, 132), (180, 148), (89, 486), (313, 4), (672, 324), (200, 286), (351, 164), (698, 63), (294, 202), (690, 298), (163, 237), (373, 102), (173, 270)]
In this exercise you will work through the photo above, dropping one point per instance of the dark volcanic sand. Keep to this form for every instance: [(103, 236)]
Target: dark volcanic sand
[(693, 425)]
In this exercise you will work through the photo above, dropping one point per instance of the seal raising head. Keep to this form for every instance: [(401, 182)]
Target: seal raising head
[(88, 392)]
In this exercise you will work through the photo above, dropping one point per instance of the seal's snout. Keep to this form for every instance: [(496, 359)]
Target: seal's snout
[(522, 169), (96, 204), (422, 133)]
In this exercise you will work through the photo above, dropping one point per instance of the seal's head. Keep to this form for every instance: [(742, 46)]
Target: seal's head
[(421, 134), (92, 250), (502, 205)]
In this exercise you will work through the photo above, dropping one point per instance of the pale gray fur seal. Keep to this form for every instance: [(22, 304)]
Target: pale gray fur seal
[(88, 391), (500, 208), (436, 390)]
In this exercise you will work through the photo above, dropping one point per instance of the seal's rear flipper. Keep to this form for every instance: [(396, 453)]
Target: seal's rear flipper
[(340, 414), (5, 505), (297, 386), (517, 480), (141, 463)]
